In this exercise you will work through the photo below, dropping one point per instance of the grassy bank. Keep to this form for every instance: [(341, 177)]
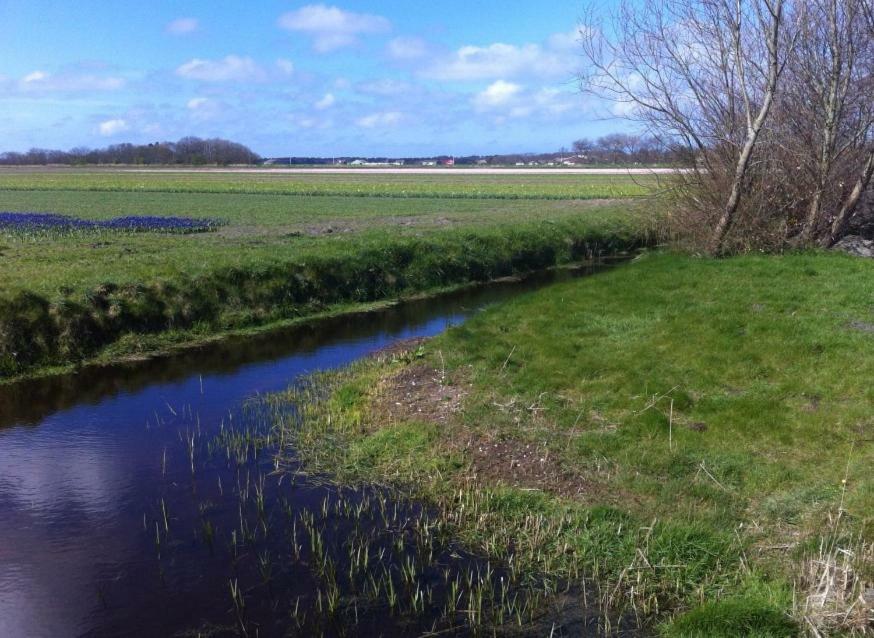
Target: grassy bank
[(693, 435), (74, 296)]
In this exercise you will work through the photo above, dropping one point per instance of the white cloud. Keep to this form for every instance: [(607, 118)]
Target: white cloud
[(380, 119), (384, 86), (496, 94), (41, 81), (502, 60), (109, 128), (303, 121), (505, 100), (197, 102), (36, 76), (231, 68), (331, 27), (569, 41), (326, 102), (286, 67), (204, 108), (182, 26), (406, 48)]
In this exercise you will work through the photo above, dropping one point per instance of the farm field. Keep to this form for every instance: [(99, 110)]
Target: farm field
[(688, 431), (285, 246), (352, 183)]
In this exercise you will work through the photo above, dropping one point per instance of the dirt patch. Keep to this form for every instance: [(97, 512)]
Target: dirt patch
[(334, 228), (524, 465), (862, 326), (418, 392)]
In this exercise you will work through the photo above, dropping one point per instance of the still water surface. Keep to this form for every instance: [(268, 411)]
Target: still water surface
[(92, 463)]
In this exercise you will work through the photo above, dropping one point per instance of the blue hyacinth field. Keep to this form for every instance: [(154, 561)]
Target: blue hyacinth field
[(39, 223)]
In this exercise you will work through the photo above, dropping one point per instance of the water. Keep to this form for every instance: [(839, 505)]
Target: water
[(102, 522)]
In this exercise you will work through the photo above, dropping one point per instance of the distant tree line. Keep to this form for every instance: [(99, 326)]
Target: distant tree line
[(621, 149), (624, 148), (188, 150)]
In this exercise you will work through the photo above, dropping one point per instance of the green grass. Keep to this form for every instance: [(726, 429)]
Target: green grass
[(352, 184), (68, 298), (711, 409)]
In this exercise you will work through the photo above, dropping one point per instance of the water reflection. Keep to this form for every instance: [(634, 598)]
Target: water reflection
[(87, 461)]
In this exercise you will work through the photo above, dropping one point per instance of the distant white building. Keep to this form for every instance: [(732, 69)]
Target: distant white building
[(357, 162), (429, 163)]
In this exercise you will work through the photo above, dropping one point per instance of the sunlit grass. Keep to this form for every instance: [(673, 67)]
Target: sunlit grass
[(715, 411)]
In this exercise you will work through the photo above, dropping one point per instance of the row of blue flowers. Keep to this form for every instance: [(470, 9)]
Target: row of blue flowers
[(53, 222)]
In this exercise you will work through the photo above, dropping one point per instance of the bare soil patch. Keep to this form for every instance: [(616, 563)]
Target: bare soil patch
[(524, 465), (419, 392)]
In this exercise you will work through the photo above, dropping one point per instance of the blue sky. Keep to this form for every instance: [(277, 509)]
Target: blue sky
[(386, 77)]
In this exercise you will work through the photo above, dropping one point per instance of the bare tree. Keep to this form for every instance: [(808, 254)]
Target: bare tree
[(866, 172), (825, 109), (702, 73)]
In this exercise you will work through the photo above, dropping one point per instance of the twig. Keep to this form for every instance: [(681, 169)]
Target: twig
[(507, 360), (712, 478)]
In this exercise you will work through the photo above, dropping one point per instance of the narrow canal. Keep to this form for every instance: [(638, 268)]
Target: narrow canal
[(120, 515)]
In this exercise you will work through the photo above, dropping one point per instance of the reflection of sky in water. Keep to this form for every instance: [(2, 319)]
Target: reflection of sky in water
[(74, 488)]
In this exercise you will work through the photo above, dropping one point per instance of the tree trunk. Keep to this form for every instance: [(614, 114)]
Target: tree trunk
[(839, 226), (754, 127)]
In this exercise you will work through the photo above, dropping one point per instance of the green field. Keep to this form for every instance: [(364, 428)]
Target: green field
[(291, 245), (695, 434), (351, 184)]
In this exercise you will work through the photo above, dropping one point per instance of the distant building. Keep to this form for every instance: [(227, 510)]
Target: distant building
[(429, 163), (357, 162), (482, 162), (448, 162)]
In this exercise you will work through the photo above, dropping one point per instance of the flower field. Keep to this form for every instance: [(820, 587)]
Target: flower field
[(393, 185), (30, 223)]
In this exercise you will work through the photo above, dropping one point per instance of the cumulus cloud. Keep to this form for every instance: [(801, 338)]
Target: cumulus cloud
[(231, 68), (406, 48), (43, 82), (496, 94), (113, 127), (326, 102), (331, 27), (380, 119), (505, 100), (501, 60), (182, 26)]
